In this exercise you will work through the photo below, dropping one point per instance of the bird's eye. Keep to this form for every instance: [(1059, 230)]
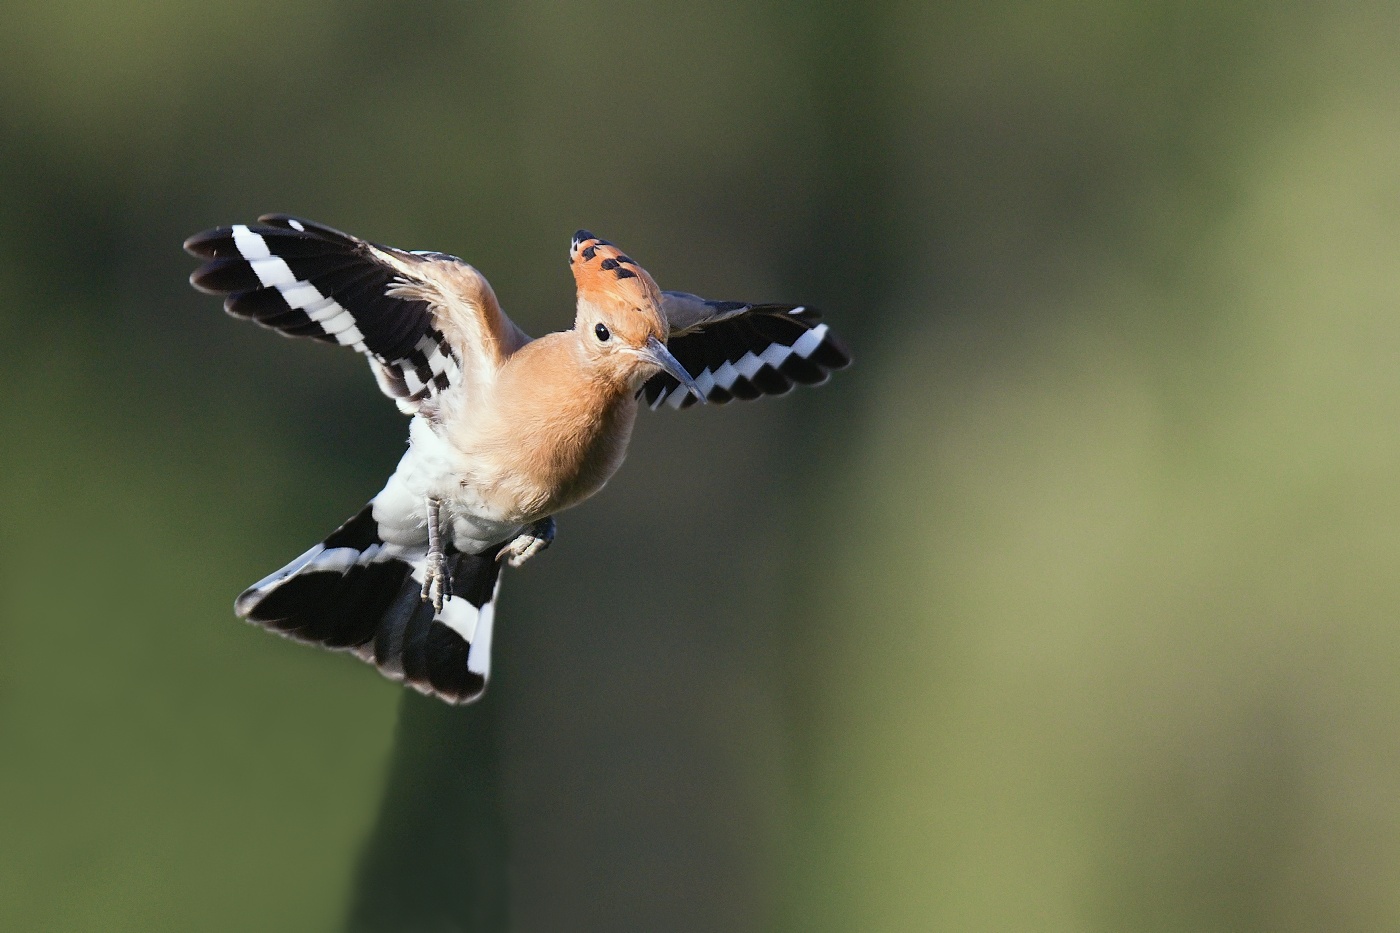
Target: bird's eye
[(601, 332)]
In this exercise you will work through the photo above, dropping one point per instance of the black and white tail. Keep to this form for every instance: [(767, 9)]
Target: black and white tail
[(350, 593)]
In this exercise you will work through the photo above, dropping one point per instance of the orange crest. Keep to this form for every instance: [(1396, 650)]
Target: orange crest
[(606, 275)]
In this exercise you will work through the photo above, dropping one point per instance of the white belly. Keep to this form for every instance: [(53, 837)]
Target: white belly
[(430, 468)]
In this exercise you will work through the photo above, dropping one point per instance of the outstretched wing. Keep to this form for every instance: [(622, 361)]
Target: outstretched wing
[(737, 350), (426, 321)]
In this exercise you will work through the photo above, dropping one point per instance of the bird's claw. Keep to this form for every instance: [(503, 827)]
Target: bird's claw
[(528, 543), (437, 582)]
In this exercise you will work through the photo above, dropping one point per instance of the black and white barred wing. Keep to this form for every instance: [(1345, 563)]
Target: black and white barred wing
[(737, 350), (422, 319), (354, 592)]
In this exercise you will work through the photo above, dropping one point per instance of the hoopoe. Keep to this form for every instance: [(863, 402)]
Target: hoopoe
[(506, 431)]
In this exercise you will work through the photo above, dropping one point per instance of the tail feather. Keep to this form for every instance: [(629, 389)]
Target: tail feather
[(369, 594), (354, 593)]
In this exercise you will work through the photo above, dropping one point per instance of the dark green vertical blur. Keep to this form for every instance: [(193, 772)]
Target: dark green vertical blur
[(1073, 606)]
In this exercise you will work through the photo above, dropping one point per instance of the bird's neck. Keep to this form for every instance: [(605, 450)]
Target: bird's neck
[(561, 423)]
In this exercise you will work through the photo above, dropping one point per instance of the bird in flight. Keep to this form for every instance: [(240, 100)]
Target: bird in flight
[(506, 431)]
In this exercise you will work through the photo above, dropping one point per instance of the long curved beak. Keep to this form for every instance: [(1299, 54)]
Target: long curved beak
[(656, 351)]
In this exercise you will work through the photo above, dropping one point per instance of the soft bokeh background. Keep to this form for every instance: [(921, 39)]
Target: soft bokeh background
[(1075, 605)]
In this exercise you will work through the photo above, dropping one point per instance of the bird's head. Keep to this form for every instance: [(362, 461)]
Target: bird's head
[(620, 320)]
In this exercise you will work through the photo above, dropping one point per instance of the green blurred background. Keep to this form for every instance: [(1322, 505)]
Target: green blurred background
[(1072, 607)]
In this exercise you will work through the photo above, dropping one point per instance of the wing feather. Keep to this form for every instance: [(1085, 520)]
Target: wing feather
[(427, 322), (738, 350)]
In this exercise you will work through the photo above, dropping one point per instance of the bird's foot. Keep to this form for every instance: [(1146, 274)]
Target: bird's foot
[(437, 581), (528, 543)]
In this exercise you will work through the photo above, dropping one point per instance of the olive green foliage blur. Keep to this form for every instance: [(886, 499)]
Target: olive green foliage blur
[(1074, 605)]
